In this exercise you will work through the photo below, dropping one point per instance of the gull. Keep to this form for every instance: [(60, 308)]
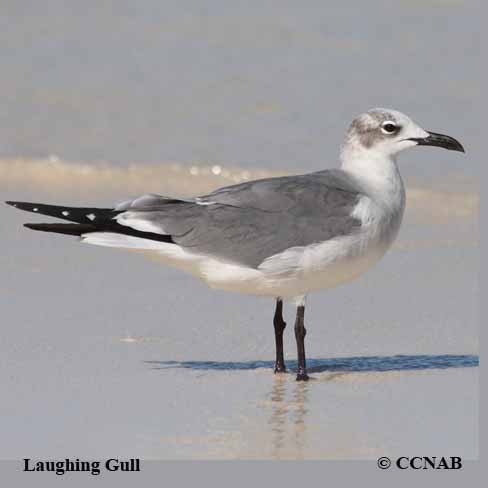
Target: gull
[(280, 237)]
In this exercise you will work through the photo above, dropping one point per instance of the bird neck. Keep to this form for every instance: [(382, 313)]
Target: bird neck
[(378, 174)]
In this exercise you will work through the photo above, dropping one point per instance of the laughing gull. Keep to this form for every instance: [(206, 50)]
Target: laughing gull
[(280, 237)]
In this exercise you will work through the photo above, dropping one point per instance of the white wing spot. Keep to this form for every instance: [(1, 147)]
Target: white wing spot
[(91, 216), (35, 209), (65, 213)]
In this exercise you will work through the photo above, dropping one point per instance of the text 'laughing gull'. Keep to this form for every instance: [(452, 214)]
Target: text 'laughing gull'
[(280, 237)]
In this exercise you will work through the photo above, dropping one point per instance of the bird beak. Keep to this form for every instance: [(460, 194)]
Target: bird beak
[(439, 140)]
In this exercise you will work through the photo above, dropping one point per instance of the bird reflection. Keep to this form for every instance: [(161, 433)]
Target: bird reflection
[(287, 418)]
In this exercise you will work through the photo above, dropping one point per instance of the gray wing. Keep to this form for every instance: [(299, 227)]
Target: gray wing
[(249, 222)]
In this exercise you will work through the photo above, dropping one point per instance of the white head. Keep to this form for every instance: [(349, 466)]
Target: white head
[(383, 133)]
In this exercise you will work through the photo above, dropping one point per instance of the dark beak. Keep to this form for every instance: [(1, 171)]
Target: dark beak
[(439, 140)]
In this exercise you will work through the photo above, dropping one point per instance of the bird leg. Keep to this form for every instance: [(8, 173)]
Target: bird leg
[(279, 327), (300, 333)]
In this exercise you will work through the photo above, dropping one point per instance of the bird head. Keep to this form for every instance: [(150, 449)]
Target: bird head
[(385, 133)]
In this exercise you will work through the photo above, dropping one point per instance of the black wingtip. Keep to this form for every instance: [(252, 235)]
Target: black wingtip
[(36, 226), (30, 207), (67, 229)]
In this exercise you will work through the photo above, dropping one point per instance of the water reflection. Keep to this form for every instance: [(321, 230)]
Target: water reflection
[(279, 414), (286, 424), (300, 395), (290, 422), (287, 418)]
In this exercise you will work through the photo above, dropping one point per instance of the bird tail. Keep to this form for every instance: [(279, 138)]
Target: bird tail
[(86, 220), (67, 229)]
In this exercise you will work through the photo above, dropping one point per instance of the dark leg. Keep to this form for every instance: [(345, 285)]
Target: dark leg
[(279, 327), (300, 333)]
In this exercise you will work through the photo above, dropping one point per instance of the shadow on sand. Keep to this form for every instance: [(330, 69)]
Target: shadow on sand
[(351, 364)]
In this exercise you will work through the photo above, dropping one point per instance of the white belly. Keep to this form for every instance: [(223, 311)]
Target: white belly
[(296, 271), (292, 273), (300, 270)]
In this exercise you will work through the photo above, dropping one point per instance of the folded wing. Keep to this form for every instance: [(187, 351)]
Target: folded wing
[(247, 223)]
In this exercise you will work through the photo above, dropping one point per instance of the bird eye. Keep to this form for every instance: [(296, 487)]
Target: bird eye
[(389, 128)]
